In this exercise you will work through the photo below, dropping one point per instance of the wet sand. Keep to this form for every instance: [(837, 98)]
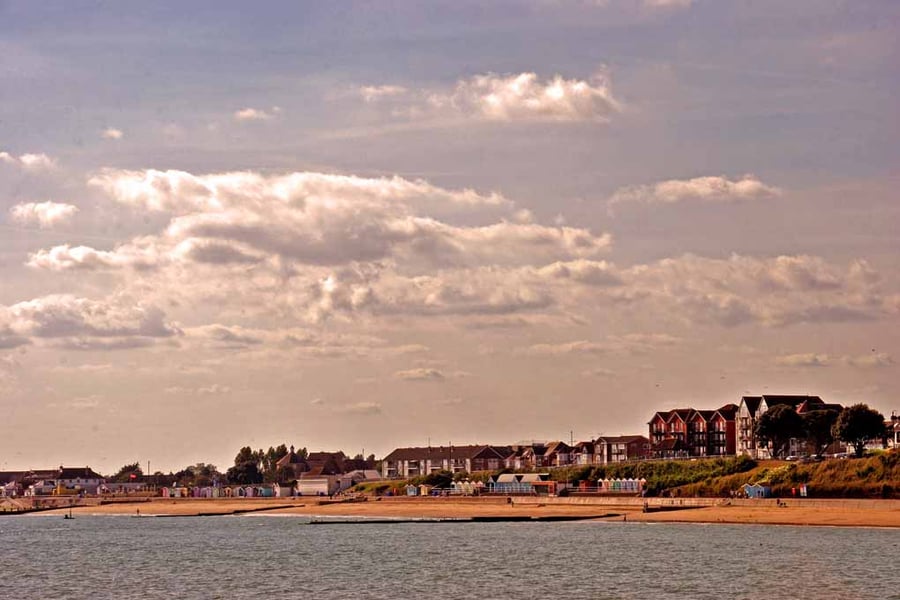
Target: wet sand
[(837, 513)]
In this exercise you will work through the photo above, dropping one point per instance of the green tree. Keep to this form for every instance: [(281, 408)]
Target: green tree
[(244, 473), (245, 455), (858, 424), (285, 475), (439, 479), (818, 425), (778, 425), (124, 475), (201, 474)]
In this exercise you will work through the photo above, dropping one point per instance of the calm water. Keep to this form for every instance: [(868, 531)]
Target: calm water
[(281, 557)]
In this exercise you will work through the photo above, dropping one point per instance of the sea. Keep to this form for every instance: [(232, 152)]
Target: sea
[(283, 557)]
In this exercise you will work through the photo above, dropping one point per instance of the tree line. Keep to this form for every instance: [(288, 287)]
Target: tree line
[(856, 425), (250, 467)]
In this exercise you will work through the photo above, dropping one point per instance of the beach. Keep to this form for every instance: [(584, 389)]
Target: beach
[(855, 513)]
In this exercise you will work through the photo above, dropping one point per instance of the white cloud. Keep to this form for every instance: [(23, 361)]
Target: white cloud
[(515, 97), (803, 360), (214, 389), (599, 273), (778, 291), (111, 133), (43, 214), (137, 255), (331, 244), (362, 408), (30, 161), (873, 360), (81, 323), (372, 93), (420, 374), (631, 343), (704, 189), (668, 3), (598, 372), (256, 114)]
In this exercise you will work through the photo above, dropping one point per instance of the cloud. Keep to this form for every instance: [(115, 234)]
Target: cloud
[(803, 360), (668, 3), (111, 133), (214, 389), (30, 161), (327, 245), (85, 402), (598, 273), (514, 97), (631, 343), (699, 189), (420, 374), (83, 324), (873, 360), (43, 214), (598, 372), (256, 114), (65, 257), (777, 292), (362, 408), (373, 93)]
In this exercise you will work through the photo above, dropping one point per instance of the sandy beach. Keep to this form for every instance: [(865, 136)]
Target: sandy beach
[(860, 513)]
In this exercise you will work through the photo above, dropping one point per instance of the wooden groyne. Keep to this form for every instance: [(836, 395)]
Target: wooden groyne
[(492, 519)]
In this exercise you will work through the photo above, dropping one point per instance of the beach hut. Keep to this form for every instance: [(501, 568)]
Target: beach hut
[(322, 485), (412, 490), (284, 490), (757, 490), (505, 483)]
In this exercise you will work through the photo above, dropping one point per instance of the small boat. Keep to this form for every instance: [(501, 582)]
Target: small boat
[(70, 515)]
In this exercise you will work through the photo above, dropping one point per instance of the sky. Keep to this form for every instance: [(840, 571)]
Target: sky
[(365, 225)]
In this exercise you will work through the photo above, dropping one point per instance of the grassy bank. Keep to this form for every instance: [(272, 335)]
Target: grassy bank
[(875, 476)]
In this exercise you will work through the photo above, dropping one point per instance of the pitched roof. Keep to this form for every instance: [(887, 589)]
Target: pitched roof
[(669, 444), (77, 473), (790, 400), (557, 447), (705, 414), (584, 447), (681, 413), (436, 453), (752, 403), (729, 411), (622, 439)]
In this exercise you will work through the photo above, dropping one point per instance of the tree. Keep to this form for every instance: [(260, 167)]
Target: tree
[(244, 473), (245, 455), (124, 475), (270, 462), (201, 474), (285, 474), (778, 425), (858, 424), (818, 426)]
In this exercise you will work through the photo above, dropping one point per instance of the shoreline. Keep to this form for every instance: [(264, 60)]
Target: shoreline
[(871, 513)]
